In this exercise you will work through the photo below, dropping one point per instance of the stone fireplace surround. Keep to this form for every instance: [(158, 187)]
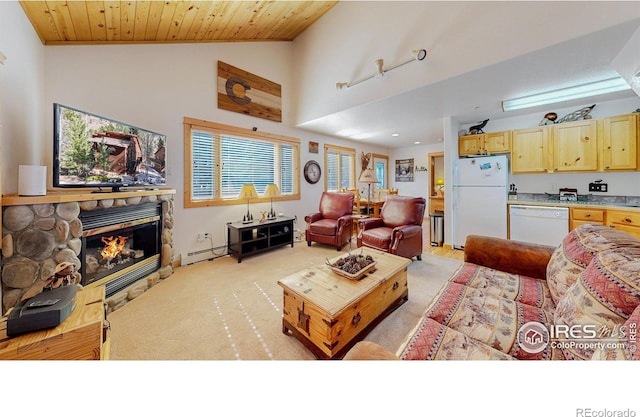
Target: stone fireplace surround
[(40, 232)]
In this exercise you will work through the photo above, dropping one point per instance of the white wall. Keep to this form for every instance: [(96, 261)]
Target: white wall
[(344, 44), (420, 154), (21, 114)]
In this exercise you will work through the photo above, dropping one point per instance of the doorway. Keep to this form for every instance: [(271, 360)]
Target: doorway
[(436, 182)]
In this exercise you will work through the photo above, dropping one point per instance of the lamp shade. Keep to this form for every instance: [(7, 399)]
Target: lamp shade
[(271, 191), (368, 176), (248, 191), (440, 181)]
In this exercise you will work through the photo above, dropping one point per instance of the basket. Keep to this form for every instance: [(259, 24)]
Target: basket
[(358, 275)]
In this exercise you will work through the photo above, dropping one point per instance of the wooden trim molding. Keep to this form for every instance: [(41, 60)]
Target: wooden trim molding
[(66, 196)]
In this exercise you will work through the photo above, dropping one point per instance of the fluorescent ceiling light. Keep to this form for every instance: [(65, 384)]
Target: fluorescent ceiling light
[(564, 94)]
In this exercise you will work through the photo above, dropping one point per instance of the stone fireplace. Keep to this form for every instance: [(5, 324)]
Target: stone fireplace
[(122, 241)]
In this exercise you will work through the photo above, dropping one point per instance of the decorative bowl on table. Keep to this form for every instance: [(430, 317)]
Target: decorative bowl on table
[(352, 266)]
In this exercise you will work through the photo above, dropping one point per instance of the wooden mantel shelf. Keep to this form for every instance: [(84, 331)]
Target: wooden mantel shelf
[(58, 196)]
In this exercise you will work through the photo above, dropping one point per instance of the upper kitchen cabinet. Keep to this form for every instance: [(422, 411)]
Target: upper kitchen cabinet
[(531, 150), (575, 146), (619, 137), (609, 144), (484, 143)]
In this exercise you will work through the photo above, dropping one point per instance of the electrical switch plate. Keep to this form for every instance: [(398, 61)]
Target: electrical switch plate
[(598, 187)]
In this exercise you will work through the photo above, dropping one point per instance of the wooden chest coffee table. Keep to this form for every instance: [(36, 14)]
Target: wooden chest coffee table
[(329, 313)]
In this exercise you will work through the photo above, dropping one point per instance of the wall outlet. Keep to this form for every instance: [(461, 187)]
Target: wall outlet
[(600, 187), (202, 236)]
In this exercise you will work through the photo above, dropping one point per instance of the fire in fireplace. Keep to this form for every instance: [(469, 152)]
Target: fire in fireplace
[(120, 246)]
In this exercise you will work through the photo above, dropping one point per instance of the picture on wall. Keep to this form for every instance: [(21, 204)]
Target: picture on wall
[(242, 92), (313, 147), (404, 170)]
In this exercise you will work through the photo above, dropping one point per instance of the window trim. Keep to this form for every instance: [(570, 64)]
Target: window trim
[(340, 149), (222, 129)]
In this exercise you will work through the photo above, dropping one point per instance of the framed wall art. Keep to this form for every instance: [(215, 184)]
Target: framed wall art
[(242, 92), (404, 170)]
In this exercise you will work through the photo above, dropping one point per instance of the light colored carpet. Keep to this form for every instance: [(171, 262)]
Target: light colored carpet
[(224, 310)]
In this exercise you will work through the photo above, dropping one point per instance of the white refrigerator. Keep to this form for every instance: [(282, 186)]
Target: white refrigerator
[(480, 189)]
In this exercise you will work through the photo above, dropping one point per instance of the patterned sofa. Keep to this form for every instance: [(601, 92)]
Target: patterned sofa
[(513, 300)]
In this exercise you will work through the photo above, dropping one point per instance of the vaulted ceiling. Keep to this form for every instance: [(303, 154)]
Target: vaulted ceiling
[(98, 22)]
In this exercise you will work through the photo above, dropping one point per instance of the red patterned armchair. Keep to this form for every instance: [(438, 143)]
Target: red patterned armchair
[(398, 230), (332, 224)]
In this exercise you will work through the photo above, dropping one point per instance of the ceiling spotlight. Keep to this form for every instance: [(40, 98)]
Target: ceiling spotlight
[(419, 54), (416, 55)]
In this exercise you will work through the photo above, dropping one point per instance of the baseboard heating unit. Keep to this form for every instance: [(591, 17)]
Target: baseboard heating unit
[(188, 258)]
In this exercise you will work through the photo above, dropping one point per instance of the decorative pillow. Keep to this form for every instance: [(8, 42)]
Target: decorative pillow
[(577, 250), (603, 298)]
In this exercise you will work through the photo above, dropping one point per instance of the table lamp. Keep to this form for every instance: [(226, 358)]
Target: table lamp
[(269, 192), (368, 176), (248, 191), (440, 184)]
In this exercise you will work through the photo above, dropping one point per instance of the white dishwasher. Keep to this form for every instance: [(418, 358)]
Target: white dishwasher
[(538, 224)]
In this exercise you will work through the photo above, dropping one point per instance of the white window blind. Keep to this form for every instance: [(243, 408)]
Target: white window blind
[(222, 162), (204, 160), (340, 167)]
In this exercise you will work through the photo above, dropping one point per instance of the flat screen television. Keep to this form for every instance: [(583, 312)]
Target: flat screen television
[(97, 152)]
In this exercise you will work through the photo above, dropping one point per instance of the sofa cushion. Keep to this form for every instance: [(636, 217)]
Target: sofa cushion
[(577, 250), (326, 227), (624, 343), (432, 341), (489, 319), (604, 297), (379, 237), (531, 291)]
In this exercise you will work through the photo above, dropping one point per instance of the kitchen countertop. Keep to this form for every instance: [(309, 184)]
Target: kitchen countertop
[(609, 202)]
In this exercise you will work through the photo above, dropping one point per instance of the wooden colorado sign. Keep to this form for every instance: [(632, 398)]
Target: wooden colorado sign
[(242, 92)]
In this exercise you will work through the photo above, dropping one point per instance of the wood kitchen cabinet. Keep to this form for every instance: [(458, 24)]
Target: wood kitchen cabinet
[(575, 146), (609, 144), (484, 143), (619, 139), (625, 220), (584, 215), (531, 150)]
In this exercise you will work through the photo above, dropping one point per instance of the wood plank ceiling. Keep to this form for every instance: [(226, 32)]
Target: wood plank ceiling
[(103, 22)]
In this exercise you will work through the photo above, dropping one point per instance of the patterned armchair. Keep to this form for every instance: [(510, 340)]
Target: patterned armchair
[(398, 230), (332, 224)]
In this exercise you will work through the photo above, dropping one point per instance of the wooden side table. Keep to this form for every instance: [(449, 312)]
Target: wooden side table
[(81, 336)]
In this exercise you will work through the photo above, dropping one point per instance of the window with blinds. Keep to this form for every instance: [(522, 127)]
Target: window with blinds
[(340, 166), (224, 158)]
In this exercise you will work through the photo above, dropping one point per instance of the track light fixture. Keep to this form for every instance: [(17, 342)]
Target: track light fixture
[(416, 55)]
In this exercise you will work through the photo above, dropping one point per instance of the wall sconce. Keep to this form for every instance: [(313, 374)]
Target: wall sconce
[(564, 94), (416, 55)]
